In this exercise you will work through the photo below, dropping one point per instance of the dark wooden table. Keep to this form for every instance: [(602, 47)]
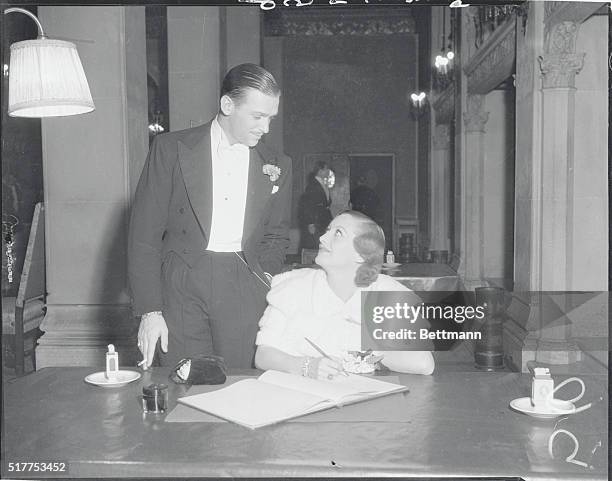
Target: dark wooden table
[(459, 425)]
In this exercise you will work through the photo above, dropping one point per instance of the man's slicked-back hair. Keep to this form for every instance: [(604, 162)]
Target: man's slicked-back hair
[(370, 245), (245, 76), (319, 165)]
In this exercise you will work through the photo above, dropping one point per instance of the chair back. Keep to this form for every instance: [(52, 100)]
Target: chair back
[(33, 283)]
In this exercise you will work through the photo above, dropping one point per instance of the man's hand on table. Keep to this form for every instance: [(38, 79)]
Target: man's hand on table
[(152, 327)]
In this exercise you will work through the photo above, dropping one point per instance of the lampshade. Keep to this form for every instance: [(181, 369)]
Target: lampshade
[(47, 80)]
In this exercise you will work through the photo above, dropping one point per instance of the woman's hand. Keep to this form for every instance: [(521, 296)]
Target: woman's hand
[(328, 369), (267, 357)]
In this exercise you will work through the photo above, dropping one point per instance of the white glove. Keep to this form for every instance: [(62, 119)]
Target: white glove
[(152, 327)]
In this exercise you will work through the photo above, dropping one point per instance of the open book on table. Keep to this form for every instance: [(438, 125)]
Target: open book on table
[(277, 396)]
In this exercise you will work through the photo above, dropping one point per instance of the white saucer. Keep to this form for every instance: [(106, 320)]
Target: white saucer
[(560, 408), (121, 378), (391, 265)]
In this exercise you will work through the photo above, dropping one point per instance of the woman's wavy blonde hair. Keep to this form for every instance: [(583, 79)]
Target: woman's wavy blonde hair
[(370, 245)]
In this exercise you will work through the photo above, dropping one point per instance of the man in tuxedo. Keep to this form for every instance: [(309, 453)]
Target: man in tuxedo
[(209, 226), (315, 214)]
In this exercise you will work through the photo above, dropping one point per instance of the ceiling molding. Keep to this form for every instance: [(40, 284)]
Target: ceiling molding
[(326, 22)]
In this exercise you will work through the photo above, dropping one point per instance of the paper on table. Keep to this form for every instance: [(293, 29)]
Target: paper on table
[(340, 389), (253, 404), (389, 409)]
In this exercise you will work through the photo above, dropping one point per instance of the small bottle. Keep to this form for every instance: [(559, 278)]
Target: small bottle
[(390, 257), (112, 362)]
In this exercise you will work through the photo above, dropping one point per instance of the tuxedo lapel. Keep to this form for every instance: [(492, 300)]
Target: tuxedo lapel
[(320, 193), (196, 166), (259, 190)]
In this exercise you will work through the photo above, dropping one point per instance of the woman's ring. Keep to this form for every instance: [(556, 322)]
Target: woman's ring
[(330, 376)]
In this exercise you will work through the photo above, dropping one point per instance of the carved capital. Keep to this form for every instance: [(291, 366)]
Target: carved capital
[(561, 38), (475, 118), (441, 140), (559, 71)]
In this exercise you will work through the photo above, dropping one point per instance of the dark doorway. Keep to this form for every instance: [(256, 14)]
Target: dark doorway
[(372, 189), (157, 69)]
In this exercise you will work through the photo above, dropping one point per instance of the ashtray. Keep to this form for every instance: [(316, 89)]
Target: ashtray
[(118, 379)]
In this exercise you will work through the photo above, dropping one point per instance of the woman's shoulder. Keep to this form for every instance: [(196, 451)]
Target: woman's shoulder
[(293, 288), (296, 277), (387, 283)]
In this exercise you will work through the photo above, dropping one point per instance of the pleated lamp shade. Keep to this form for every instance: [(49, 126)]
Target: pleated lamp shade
[(46, 79)]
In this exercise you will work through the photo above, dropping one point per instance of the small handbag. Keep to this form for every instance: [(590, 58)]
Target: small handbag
[(199, 369)]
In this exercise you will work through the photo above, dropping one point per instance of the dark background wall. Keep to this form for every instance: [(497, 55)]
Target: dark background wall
[(347, 94)]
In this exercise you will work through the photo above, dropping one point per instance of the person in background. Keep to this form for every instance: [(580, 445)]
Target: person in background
[(324, 305), (209, 226), (314, 212)]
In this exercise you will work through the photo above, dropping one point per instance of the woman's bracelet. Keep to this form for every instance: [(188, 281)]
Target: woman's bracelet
[(306, 365), (310, 367), (313, 368)]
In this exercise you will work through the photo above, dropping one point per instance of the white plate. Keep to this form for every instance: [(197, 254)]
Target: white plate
[(121, 378), (560, 408), (391, 265)]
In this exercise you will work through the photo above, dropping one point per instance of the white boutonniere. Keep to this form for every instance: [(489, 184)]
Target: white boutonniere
[(273, 171)]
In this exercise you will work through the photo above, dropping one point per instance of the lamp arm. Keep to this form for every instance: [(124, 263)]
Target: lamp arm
[(41, 33)]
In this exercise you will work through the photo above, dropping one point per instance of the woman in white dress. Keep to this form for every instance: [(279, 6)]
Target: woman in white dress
[(323, 305)]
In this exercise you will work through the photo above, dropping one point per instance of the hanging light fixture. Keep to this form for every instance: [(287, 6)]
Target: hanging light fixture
[(450, 54), (443, 64), (157, 127), (46, 78), (418, 104)]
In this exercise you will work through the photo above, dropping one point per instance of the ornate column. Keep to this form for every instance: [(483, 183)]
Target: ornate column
[(559, 66), (471, 266), (440, 188)]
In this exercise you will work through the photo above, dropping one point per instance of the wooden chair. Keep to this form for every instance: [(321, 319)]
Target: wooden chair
[(308, 256), (24, 313)]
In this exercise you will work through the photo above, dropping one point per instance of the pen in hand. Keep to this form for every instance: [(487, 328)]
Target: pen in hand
[(324, 354)]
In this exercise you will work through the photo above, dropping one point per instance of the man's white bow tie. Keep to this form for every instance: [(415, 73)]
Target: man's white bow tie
[(236, 148)]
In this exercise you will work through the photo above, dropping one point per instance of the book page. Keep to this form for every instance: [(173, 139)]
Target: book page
[(253, 403), (339, 390)]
